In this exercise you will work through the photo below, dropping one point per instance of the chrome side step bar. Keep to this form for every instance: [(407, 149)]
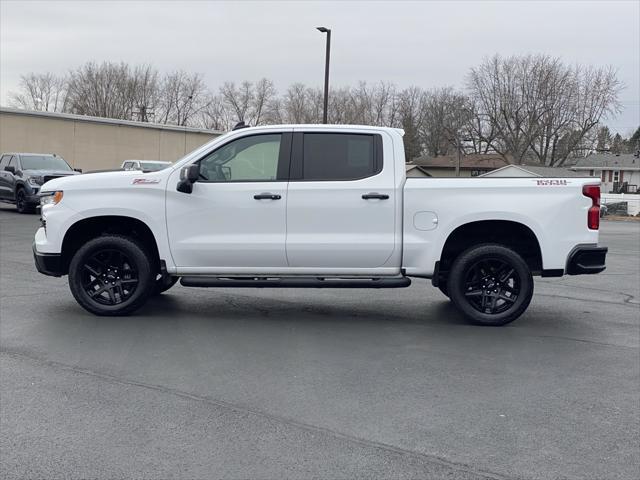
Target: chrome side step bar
[(294, 282)]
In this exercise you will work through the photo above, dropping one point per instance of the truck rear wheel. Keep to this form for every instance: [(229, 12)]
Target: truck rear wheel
[(490, 284), (111, 275)]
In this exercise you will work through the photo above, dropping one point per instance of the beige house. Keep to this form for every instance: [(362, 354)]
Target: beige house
[(93, 143)]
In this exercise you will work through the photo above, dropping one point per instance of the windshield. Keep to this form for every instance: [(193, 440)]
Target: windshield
[(43, 162), (153, 166)]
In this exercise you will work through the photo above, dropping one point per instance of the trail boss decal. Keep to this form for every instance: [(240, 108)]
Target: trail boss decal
[(551, 183), (145, 181)]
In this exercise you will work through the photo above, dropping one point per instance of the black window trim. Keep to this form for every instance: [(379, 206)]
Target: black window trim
[(296, 171), (284, 157)]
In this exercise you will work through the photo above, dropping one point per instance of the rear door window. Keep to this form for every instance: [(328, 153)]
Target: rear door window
[(340, 156)]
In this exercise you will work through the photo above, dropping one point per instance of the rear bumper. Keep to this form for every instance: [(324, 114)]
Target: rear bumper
[(586, 259), (48, 263)]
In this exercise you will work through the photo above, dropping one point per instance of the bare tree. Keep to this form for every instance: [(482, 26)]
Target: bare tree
[(446, 117), (537, 106), (42, 92), (500, 89), (411, 112), (264, 93), (521, 107), (239, 99), (145, 89), (183, 97), (300, 104), (216, 115), (103, 90), (596, 98)]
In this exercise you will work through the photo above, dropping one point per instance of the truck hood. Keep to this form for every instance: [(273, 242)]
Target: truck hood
[(106, 180)]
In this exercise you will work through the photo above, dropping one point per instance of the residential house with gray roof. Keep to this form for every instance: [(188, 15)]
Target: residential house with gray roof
[(619, 173)]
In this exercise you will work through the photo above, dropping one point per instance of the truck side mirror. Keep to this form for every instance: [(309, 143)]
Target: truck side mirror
[(79, 170), (11, 170), (188, 176)]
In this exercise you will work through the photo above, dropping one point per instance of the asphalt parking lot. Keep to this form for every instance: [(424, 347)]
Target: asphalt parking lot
[(320, 383)]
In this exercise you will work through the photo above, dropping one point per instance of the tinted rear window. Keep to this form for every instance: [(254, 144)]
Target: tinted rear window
[(339, 156)]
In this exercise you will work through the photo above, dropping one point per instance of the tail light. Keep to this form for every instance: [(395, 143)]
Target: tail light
[(593, 215)]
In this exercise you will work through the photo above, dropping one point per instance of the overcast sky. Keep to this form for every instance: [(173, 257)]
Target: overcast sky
[(425, 43)]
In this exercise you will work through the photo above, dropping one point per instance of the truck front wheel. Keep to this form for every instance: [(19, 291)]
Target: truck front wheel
[(490, 284), (111, 275), (21, 202)]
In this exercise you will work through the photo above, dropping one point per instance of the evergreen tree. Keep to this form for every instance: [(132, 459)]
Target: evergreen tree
[(634, 142), (617, 145)]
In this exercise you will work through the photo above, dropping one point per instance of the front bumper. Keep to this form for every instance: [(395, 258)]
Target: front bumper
[(48, 263), (586, 259), (33, 199)]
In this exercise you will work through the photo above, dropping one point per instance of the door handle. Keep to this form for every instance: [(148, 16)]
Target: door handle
[(266, 196), (372, 195)]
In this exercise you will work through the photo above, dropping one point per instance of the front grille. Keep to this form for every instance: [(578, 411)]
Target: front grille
[(51, 177)]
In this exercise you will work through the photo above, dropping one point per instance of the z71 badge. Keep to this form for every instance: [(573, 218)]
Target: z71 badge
[(145, 181), (548, 183)]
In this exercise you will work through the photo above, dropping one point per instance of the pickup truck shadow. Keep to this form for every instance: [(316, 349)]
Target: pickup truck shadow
[(226, 306)]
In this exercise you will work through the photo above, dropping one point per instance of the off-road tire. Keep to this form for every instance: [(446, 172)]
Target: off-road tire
[(513, 295), (139, 261)]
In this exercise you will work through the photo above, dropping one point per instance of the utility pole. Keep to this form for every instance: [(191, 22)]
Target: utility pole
[(326, 71)]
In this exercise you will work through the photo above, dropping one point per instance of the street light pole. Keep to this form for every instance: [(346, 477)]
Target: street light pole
[(326, 72), (459, 155)]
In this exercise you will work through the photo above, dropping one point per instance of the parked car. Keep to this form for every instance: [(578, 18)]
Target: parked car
[(144, 165), (315, 206), (22, 174)]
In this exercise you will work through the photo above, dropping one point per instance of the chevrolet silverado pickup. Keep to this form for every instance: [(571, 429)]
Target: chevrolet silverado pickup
[(321, 206)]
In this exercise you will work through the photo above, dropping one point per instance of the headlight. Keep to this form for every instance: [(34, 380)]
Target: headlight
[(35, 180), (51, 198)]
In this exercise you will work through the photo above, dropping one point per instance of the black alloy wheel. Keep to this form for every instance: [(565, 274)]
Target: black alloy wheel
[(490, 284), (109, 277)]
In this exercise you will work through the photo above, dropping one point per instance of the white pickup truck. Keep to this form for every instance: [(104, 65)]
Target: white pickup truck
[(314, 206)]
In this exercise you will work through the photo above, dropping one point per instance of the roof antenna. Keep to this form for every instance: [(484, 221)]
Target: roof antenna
[(240, 125)]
